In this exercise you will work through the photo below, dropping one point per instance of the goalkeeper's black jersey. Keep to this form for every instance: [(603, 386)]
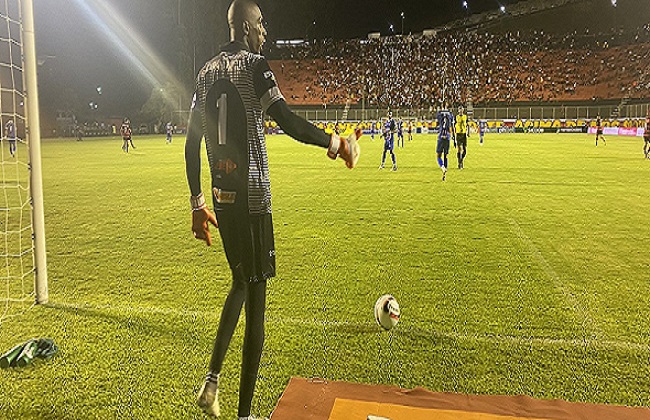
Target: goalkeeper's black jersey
[(232, 92)]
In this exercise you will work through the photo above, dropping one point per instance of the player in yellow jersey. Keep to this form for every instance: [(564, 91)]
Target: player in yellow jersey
[(462, 133)]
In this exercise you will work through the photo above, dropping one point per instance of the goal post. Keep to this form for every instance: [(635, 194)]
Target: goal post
[(23, 265), (33, 130)]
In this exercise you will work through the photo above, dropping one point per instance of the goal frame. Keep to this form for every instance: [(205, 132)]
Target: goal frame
[(33, 133)]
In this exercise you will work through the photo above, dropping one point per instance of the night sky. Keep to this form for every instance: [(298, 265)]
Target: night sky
[(83, 44)]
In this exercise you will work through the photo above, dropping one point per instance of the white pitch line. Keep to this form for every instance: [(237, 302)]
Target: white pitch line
[(583, 312), (402, 328)]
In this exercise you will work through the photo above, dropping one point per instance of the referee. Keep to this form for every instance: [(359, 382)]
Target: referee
[(233, 90), (462, 132)]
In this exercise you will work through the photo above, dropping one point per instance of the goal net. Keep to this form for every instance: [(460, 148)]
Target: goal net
[(18, 266)]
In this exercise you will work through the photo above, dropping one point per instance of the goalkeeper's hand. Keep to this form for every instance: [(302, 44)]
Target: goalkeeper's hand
[(348, 149), (200, 227)]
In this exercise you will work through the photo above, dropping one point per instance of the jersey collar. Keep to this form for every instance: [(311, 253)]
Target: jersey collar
[(234, 46)]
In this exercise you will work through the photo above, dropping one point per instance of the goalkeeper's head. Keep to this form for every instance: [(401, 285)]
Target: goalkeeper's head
[(246, 24)]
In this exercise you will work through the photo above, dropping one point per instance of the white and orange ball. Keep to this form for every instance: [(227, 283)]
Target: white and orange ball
[(387, 312)]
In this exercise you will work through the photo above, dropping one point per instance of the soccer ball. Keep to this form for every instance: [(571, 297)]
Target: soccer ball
[(387, 312)]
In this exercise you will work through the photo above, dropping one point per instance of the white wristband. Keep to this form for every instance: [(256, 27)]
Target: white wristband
[(335, 143), (198, 202)]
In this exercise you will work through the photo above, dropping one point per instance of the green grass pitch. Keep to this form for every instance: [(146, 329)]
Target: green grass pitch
[(526, 273)]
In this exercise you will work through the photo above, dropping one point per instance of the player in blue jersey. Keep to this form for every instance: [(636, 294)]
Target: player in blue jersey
[(372, 131), (389, 139), (482, 126), (400, 134), (10, 135), (446, 133)]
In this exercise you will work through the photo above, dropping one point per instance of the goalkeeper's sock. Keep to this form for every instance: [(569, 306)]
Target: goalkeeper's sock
[(392, 156), (446, 162), (212, 377), (440, 163)]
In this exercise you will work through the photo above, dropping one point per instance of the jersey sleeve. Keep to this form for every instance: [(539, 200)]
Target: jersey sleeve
[(266, 88)]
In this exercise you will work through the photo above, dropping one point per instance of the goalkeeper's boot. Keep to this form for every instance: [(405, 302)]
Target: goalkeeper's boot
[(444, 173), (381, 166), (394, 168), (208, 398)]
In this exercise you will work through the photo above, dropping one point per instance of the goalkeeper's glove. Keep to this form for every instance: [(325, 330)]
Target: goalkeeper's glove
[(348, 149), (201, 215)]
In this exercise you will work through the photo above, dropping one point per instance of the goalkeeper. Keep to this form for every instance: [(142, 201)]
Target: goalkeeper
[(233, 90)]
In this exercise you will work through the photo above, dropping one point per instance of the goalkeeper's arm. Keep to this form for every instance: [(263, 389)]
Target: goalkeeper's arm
[(201, 215), (301, 130)]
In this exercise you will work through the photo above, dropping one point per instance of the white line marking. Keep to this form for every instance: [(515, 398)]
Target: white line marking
[(402, 328), (584, 317)]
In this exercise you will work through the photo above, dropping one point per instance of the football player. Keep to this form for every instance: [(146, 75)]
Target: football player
[(10, 135), (462, 132), (126, 132), (445, 135), (599, 131), (233, 92), (482, 127), (169, 128), (389, 141), (646, 136), (400, 134)]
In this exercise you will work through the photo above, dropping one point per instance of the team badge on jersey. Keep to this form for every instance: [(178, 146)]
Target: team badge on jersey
[(226, 165), (269, 75)]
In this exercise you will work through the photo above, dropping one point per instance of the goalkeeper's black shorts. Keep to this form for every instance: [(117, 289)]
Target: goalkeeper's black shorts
[(249, 244)]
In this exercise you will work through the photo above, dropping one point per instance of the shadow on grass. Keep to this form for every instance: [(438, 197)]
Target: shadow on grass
[(171, 324)]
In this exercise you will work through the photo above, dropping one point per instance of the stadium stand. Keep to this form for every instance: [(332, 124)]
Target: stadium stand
[(458, 66)]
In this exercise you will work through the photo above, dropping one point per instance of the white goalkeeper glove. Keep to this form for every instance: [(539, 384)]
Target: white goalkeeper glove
[(348, 149)]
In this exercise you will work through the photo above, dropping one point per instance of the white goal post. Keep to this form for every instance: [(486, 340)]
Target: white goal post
[(22, 222), (34, 146)]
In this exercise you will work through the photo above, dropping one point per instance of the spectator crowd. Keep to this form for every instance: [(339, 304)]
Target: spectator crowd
[(478, 66)]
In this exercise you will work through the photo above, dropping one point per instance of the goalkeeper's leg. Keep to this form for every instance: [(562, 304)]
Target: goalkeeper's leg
[(228, 322), (208, 398), (253, 343)]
